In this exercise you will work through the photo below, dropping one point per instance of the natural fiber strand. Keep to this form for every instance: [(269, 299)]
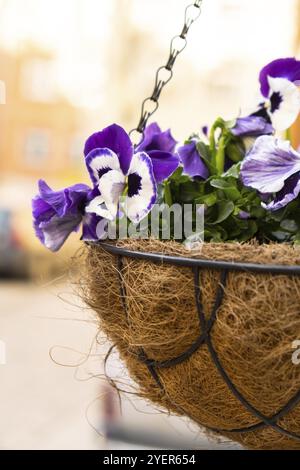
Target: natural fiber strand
[(252, 335)]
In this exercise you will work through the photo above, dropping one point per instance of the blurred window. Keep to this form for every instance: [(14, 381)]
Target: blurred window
[(76, 149), (38, 81), (36, 147)]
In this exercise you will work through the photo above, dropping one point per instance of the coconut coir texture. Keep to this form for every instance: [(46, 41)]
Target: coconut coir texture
[(253, 334)]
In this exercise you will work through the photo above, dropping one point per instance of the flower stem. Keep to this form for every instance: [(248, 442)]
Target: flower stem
[(168, 195), (220, 155), (218, 124), (125, 190)]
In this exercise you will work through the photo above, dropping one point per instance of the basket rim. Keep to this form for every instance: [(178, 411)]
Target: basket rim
[(155, 257)]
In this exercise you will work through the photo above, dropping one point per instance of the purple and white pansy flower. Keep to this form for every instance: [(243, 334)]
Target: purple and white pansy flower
[(123, 174), (116, 171), (137, 185), (193, 164), (272, 167), (251, 126), (279, 84), (156, 140), (127, 181), (56, 214)]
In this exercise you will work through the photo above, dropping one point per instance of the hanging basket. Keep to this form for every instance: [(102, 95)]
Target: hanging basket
[(208, 334)]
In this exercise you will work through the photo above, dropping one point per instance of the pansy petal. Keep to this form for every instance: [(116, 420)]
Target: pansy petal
[(76, 197), (150, 131), (244, 215), (58, 213), (193, 164), (117, 140), (288, 68), (56, 230), (205, 131), (287, 194), (92, 194), (164, 164), (41, 209), (67, 200), (98, 206), (268, 164), (111, 187), (38, 231), (94, 228), (285, 103), (155, 139), (251, 126), (141, 188), (99, 162)]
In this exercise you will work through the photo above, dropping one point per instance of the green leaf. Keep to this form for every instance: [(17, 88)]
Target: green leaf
[(235, 152), (203, 150), (215, 234), (225, 209), (208, 199), (280, 236), (228, 187), (205, 153), (179, 177), (230, 124), (220, 183), (234, 171), (276, 216), (297, 238), (292, 206), (249, 232), (257, 212), (189, 191), (289, 225)]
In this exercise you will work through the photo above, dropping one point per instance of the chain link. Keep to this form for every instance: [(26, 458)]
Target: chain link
[(165, 73)]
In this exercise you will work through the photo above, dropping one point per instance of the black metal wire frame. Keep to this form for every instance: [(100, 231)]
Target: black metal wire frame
[(206, 326)]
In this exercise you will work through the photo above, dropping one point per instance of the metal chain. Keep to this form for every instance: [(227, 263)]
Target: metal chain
[(165, 73)]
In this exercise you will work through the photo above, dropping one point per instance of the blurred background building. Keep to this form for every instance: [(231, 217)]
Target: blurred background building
[(69, 68)]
